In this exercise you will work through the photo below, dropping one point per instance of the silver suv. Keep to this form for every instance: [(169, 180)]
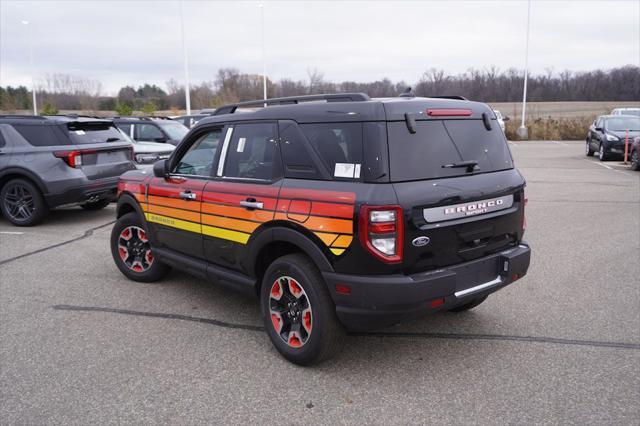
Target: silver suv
[(47, 162)]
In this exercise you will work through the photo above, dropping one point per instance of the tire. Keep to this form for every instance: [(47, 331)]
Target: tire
[(22, 203), (602, 155), (589, 151), (470, 305), (96, 205), (132, 251), (635, 161), (298, 312)]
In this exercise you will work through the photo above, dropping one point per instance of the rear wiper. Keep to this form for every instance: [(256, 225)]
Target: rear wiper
[(113, 139), (470, 165)]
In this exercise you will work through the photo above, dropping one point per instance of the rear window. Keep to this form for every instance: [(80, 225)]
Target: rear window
[(90, 133), (40, 134), (339, 145), (437, 143)]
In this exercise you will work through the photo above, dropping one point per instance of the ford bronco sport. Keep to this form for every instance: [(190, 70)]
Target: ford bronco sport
[(340, 212)]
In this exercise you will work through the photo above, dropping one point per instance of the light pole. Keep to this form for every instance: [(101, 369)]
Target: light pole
[(522, 130), (33, 80), (264, 66), (187, 88)]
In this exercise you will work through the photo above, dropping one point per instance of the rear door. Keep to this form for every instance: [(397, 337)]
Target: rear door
[(175, 202), (454, 214), (244, 193)]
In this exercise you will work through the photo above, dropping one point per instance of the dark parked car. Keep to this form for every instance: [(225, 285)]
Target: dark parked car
[(46, 162), (152, 129), (635, 154), (354, 213), (607, 135), (191, 120)]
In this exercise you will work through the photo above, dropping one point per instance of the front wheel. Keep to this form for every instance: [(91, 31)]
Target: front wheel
[(602, 155), (298, 312), (132, 252)]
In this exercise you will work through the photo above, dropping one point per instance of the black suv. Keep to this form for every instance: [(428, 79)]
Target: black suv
[(152, 129), (47, 162), (352, 213)]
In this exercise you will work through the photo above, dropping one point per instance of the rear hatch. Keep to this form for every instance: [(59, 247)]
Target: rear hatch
[(455, 180), (102, 150)]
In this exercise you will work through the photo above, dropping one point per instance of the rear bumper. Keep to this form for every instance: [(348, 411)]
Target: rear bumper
[(79, 193), (378, 301)]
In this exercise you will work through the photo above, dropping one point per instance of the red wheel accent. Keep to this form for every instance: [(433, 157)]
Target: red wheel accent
[(148, 256), (276, 290), (294, 287), (124, 254), (142, 235), (276, 321), (137, 266), (306, 320), (294, 339), (126, 234)]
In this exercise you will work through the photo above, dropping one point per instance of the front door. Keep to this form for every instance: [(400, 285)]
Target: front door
[(175, 202), (244, 193)]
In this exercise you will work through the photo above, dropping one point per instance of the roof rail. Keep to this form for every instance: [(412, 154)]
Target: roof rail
[(461, 98), (331, 97), (37, 117)]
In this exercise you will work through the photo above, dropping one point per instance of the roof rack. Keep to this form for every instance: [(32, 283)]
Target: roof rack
[(461, 98), (291, 100), (25, 116)]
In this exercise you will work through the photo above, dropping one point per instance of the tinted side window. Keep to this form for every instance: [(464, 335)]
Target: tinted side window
[(339, 145), (198, 160), (1, 140), (148, 132), (298, 162), (126, 128), (252, 152), (39, 134)]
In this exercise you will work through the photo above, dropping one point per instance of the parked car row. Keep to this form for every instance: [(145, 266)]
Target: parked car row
[(610, 135)]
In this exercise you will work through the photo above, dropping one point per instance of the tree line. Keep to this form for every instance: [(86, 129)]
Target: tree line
[(68, 92)]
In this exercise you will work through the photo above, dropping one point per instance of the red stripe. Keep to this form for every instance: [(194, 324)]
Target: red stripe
[(243, 188), (234, 199)]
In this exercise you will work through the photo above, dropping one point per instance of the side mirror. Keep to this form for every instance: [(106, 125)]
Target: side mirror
[(160, 168), (599, 129), (506, 119)]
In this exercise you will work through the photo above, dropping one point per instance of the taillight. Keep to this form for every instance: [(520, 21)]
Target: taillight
[(381, 232), (73, 158)]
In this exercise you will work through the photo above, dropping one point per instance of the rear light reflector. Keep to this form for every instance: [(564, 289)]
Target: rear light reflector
[(73, 158), (449, 112), (435, 303), (381, 232), (343, 289)]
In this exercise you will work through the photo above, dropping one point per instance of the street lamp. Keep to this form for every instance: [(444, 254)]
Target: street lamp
[(522, 130), (187, 89), (33, 80), (264, 66)]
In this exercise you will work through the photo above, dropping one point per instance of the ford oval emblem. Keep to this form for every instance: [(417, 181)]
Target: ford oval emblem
[(421, 241)]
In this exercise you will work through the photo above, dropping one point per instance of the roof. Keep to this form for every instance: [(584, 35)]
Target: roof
[(376, 109), (53, 119)]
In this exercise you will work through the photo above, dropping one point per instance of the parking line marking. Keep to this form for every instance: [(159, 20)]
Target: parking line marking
[(11, 233), (561, 143)]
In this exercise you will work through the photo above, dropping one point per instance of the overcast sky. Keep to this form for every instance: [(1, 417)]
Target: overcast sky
[(131, 42)]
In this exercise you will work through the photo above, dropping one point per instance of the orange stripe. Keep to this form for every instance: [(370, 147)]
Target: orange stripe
[(324, 224), (343, 241), (140, 197), (225, 222), (237, 212), (175, 213), (326, 238), (174, 202)]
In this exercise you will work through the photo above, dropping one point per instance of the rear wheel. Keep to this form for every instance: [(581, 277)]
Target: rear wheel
[(635, 161), (588, 150), (132, 252), (298, 312), (96, 205), (22, 203), (470, 305)]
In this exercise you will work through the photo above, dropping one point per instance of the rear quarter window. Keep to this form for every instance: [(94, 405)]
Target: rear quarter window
[(436, 143), (41, 134), (339, 145)]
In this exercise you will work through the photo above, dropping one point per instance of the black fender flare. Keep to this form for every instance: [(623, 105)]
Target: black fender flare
[(287, 235), (26, 173)]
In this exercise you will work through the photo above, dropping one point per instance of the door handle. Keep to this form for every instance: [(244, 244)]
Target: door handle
[(251, 204), (187, 195)]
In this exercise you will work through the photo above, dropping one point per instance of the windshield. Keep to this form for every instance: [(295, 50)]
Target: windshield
[(94, 132), (176, 131), (623, 123), (445, 148)]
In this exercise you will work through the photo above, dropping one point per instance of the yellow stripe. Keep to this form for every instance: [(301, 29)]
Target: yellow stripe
[(337, 251), (326, 238), (238, 237), (174, 223)]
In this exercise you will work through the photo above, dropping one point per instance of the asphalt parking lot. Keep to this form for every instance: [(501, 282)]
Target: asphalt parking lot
[(79, 343)]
